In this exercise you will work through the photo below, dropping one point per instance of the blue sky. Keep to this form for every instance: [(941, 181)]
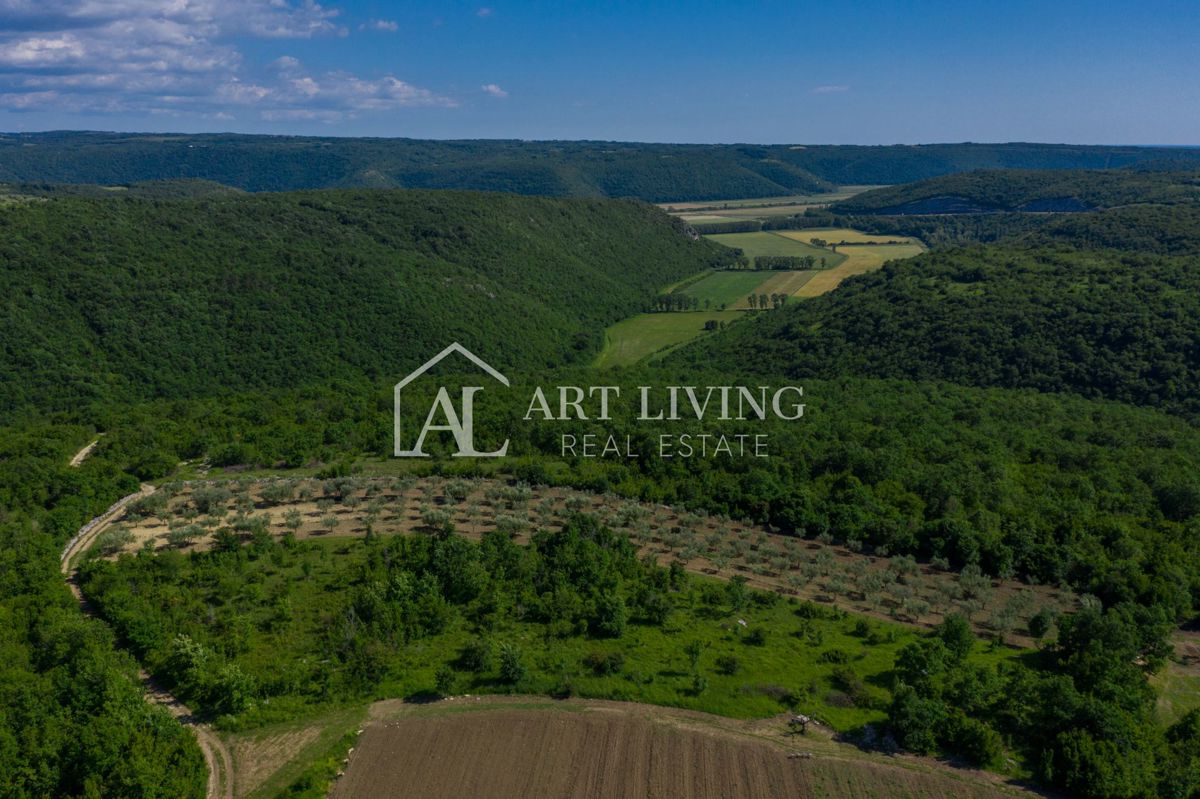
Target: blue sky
[(829, 72)]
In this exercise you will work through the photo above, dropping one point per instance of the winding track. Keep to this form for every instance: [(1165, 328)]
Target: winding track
[(216, 754), (82, 454)]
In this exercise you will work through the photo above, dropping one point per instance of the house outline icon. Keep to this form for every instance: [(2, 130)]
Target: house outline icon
[(463, 431)]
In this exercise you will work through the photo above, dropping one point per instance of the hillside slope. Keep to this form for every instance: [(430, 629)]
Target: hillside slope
[(1096, 323), (1027, 190), (654, 172), (121, 299)]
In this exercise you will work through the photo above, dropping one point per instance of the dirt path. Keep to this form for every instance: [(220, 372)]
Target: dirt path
[(82, 454), (216, 755)]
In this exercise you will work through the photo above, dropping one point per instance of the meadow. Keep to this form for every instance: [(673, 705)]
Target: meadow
[(775, 243), (729, 289), (649, 334)]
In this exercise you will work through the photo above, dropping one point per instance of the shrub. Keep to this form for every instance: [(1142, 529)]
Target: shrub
[(603, 664), (512, 664), (835, 656), (113, 540), (443, 680), (476, 656)]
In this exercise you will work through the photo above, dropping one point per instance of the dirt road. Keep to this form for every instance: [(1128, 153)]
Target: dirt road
[(82, 454), (216, 755)]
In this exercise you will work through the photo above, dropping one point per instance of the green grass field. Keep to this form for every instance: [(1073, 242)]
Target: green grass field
[(772, 243), (641, 336), (1179, 692), (731, 289), (727, 288)]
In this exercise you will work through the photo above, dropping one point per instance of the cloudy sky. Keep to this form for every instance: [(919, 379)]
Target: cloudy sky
[(862, 72)]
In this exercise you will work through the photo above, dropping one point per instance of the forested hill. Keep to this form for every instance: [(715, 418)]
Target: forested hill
[(118, 299), (653, 172), (145, 189), (1028, 190), (1097, 323)]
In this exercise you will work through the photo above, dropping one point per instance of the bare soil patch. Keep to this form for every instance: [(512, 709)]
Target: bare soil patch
[(497, 748)]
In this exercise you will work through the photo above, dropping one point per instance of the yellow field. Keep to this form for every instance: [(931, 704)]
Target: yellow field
[(860, 258), (767, 203), (840, 234)]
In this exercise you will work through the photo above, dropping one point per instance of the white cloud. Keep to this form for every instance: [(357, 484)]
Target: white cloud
[(830, 89), (493, 90), (386, 25), (485, 12), (180, 56)]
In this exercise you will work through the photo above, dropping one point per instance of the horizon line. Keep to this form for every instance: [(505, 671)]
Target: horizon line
[(969, 142)]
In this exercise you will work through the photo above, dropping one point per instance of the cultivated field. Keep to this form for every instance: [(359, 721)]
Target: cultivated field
[(731, 289), (642, 336), (752, 212), (845, 235), (639, 337), (896, 588), (765, 206), (775, 243), (519, 747), (788, 283), (859, 258), (726, 288)]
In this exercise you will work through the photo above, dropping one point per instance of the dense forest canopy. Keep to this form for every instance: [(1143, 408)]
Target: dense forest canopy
[(653, 172), (1096, 323), (1027, 190), (121, 299)]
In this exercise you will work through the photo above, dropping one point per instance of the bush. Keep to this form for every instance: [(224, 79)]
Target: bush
[(604, 663), (916, 721), (512, 664), (443, 680), (974, 740), (476, 656), (113, 540), (835, 656), (610, 616), (728, 665)]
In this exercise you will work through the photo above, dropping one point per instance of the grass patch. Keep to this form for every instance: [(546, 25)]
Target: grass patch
[(775, 243), (654, 334), (1178, 690)]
